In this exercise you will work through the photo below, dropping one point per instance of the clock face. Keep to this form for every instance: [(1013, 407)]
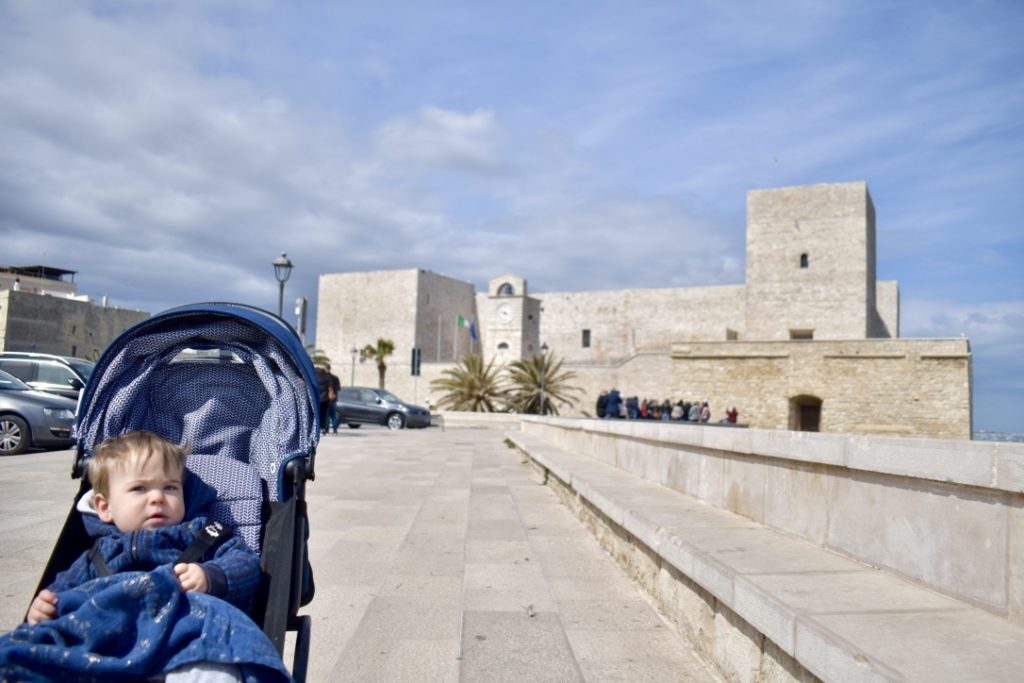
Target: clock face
[(505, 313)]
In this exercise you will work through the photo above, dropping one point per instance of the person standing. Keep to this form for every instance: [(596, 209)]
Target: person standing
[(323, 380), (334, 386), (611, 403)]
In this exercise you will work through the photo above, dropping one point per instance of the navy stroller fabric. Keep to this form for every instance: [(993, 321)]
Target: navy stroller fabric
[(239, 494), (257, 409), (234, 383)]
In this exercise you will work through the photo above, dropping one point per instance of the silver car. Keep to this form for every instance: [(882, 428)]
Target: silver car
[(32, 418), (62, 375)]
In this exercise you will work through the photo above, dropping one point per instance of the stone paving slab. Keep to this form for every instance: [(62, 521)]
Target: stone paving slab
[(438, 557)]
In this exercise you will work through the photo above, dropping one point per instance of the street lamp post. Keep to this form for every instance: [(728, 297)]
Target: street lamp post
[(543, 373), (354, 352), (282, 269)]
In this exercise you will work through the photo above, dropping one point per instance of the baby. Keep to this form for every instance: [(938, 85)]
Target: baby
[(138, 484), (142, 518)]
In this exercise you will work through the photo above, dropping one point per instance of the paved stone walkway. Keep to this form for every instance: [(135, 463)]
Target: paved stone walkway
[(438, 557)]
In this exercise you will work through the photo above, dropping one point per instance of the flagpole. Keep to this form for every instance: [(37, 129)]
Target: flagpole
[(439, 318), (455, 341)]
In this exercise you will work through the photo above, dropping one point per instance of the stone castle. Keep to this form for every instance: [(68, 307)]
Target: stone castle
[(809, 342)]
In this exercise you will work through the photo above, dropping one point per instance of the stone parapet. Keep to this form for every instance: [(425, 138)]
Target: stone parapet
[(944, 513), (718, 527)]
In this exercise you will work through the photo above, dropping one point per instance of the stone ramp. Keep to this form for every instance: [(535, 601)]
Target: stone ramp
[(763, 605), (438, 557)]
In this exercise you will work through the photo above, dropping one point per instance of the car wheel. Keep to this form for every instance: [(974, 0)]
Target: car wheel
[(395, 421), (14, 435), (354, 425)]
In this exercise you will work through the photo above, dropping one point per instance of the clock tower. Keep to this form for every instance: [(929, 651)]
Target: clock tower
[(511, 321)]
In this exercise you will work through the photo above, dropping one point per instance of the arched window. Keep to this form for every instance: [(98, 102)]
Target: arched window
[(503, 346), (803, 260), (506, 289)]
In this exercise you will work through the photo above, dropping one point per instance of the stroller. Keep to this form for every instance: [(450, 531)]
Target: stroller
[(234, 382)]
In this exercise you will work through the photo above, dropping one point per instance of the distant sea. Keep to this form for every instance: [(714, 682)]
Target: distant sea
[(998, 436)]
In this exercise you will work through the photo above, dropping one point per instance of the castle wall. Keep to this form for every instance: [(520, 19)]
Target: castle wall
[(65, 327), (887, 310), (908, 386), (357, 309), (411, 307), (441, 300), (625, 322)]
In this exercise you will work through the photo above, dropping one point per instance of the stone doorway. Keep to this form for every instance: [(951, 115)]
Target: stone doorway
[(805, 413)]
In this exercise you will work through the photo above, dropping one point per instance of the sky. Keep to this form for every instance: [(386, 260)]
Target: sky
[(169, 151)]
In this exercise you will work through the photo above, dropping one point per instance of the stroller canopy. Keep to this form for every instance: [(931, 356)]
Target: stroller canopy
[(227, 379)]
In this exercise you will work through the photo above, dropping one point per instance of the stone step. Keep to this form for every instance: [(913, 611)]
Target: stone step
[(833, 617)]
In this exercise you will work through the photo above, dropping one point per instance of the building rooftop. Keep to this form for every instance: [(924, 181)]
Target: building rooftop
[(42, 272)]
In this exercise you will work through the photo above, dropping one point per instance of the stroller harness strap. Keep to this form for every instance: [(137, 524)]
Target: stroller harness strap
[(97, 561), (210, 535)]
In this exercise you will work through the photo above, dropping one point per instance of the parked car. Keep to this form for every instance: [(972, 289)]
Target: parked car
[(363, 405), (62, 375), (32, 418)]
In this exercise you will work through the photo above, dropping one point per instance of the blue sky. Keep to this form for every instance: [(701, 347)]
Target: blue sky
[(169, 151)]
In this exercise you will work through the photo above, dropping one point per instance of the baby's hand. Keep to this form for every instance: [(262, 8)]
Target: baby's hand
[(44, 607), (191, 577)]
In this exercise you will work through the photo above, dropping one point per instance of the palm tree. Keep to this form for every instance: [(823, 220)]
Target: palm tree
[(383, 349), (539, 385), (317, 355), (470, 386)]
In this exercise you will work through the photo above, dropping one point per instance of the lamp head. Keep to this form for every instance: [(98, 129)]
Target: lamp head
[(282, 267)]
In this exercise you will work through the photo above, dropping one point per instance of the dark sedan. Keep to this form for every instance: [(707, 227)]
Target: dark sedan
[(363, 405), (32, 418)]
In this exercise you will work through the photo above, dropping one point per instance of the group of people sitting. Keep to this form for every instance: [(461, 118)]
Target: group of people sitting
[(610, 404)]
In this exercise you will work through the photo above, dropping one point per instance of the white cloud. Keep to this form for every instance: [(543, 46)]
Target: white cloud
[(443, 138)]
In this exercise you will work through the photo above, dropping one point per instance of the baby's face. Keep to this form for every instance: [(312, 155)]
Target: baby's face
[(143, 497)]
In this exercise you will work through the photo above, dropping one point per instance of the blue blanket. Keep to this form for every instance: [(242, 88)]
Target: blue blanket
[(136, 624)]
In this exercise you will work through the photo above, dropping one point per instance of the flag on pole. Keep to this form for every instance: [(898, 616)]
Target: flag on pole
[(472, 331), (461, 321)]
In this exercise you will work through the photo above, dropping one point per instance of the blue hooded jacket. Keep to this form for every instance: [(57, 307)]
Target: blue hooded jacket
[(232, 569)]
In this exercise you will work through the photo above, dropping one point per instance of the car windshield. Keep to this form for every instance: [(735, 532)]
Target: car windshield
[(12, 383), (388, 396), (83, 367)]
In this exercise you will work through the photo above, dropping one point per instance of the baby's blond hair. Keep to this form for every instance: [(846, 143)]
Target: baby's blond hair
[(139, 446)]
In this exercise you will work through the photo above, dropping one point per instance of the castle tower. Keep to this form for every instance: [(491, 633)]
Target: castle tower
[(510, 320), (811, 263)]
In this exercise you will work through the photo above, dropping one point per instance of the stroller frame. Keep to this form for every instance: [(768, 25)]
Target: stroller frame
[(236, 347)]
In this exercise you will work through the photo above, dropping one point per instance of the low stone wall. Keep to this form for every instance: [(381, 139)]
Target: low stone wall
[(452, 418), (732, 646), (947, 514)]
